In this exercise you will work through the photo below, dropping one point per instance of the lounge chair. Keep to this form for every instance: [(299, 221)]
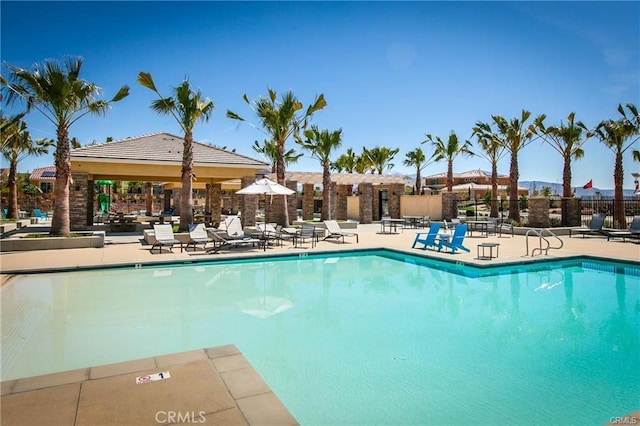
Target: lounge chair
[(164, 238), (632, 232), (37, 213), (197, 235), (220, 242), (234, 227), (335, 231), (595, 226), (457, 238), (427, 239)]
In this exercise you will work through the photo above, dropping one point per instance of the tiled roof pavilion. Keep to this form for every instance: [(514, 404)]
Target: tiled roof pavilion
[(158, 158)]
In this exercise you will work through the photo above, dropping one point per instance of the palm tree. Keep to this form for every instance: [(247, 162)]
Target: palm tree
[(346, 162), (363, 163), (619, 135), (187, 107), (18, 146), (380, 157), (417, 159), (55, 90), (449, 151), (514, 136), (320, 143), (281, 120), (9, 127), (567, 141), (269, 152), (493, 151)]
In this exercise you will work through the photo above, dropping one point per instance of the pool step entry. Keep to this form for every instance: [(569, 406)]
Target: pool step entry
[(544, 245)]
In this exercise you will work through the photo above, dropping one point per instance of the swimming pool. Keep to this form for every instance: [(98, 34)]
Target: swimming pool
[(374, 337)]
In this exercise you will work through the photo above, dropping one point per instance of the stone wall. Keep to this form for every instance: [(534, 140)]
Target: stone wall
[(571, 215), (342, 192), (449, 205), (292, 200), (248, 203), (78, 201), (215, 202), (365, 191), (307, 201), (539, 212)]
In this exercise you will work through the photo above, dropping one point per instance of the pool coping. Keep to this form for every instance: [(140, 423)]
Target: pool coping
[(496, 263), (214, 385)]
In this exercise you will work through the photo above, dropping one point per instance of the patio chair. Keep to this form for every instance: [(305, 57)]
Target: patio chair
[(220, 242), (457, 239), (164, 238), (197, 235), (595, 226), (307, 232), (38, 214), (336, 232), (234, 227), (276, 234), (427, 239), (632, 232), (498, 228)]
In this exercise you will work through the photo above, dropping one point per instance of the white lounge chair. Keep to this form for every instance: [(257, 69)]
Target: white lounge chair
[(335, 231), (164, 238), (220, 242), (198, 235)]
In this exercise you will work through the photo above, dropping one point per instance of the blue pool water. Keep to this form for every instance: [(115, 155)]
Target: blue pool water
[(365, 338)]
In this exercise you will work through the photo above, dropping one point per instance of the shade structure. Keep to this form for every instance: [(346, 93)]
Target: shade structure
[(265, 186)]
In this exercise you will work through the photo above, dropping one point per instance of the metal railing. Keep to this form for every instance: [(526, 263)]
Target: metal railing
[(541, 237)]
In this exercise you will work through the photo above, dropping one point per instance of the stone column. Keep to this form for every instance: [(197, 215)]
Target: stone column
[(365, 190), (216, 202), (91, 194), (292, 200), (79, 202), (396, 190), (333, 208), (375, 201), (148, 194), (539, 212), (342, 192), (167, 200), (449, 205), (307, 201), (235, 202), (207, 199), (571, 215), (248, 203)]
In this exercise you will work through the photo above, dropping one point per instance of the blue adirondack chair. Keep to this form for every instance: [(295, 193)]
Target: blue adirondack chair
[(37, 213), (457, 238), (427, 239)]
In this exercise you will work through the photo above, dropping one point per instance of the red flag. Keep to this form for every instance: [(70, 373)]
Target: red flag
[(637, 186), (574, 191), (588, 184)]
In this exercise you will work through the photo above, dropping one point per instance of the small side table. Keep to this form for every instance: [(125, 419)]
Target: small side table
[(489, 246)]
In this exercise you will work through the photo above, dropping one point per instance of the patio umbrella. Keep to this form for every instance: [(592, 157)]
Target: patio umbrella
[(266, 186)]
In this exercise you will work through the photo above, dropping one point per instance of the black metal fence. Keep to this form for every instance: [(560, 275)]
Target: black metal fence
[(479, 209), (612, 209)]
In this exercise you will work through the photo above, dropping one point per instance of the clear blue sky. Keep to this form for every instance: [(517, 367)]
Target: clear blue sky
[(391, 72)]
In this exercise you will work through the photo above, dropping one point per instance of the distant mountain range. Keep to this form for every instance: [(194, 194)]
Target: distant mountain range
[(556, 188)]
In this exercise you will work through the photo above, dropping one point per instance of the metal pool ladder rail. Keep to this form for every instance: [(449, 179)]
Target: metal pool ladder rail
[(540, 233)]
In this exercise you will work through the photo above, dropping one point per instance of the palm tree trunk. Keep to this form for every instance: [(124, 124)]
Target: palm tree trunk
[(60, 224), (566, 177), (494, 189), (620, 218), (186, 200), (450, 176), (281, 204), (418, 181), (514, 207), (326, 193), (148, 195), (12, 208)]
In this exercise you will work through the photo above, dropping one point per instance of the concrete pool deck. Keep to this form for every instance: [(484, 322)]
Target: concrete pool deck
[(234, 392)]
